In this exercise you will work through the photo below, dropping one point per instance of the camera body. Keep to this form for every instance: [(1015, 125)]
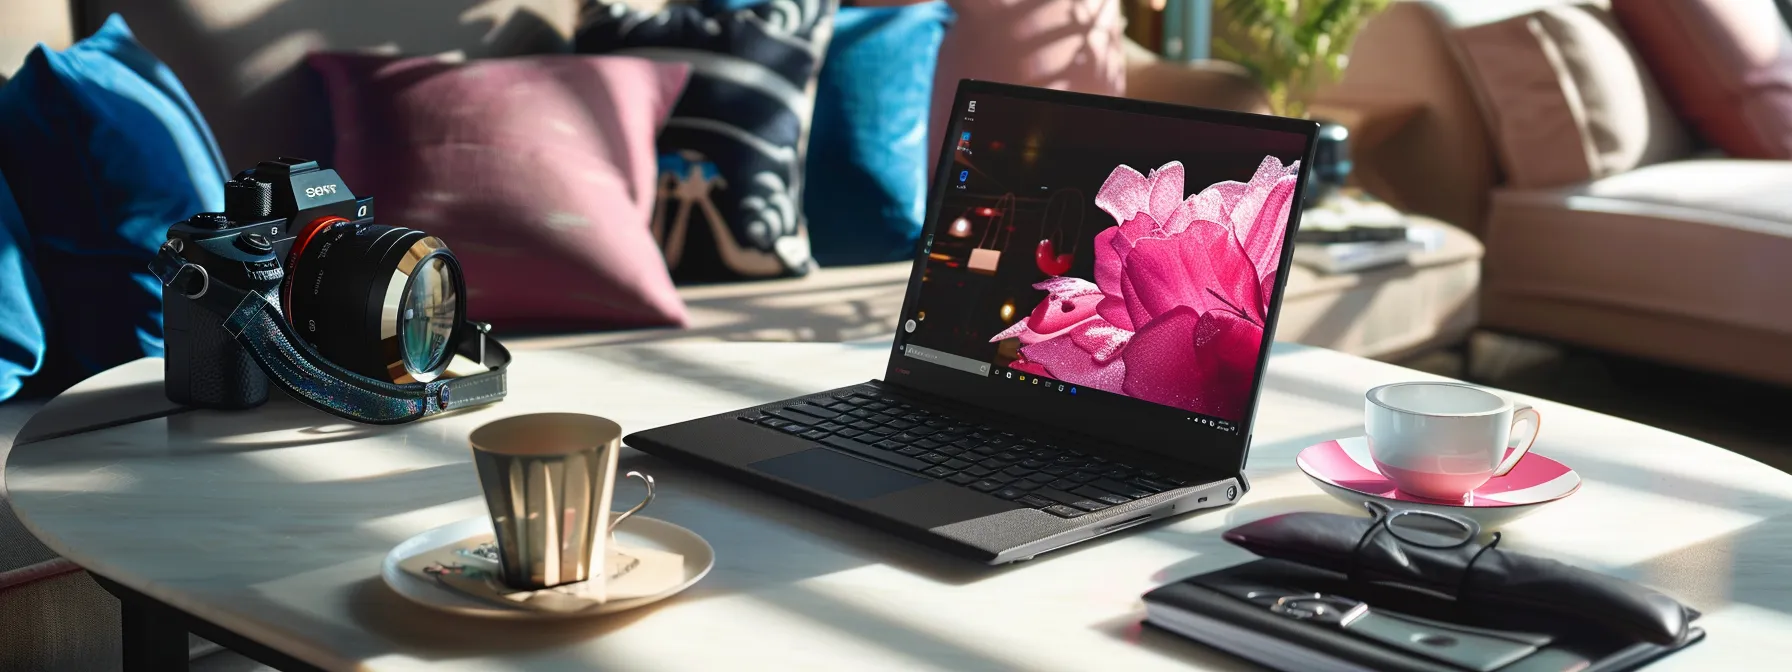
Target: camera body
[(247, 246)]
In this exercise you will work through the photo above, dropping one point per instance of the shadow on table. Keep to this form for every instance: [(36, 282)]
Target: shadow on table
[(375, 606), (761, 529), (281, 423), (1132, 630), (435, 636), (80, 410)]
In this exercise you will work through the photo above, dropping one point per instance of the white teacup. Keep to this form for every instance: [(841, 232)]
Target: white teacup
[(1443, 440)]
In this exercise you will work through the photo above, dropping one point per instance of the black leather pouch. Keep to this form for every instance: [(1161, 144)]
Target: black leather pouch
[(1472, 575), (1290, 616)]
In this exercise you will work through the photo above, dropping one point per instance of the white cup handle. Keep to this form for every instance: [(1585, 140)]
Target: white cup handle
[(1520, 414)]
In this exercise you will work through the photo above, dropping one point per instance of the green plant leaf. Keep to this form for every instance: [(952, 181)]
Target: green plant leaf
[(1291, 47)]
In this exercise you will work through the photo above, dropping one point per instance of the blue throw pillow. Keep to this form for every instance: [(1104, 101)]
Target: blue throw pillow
[(21, 325), (868, 154), (104, 150)]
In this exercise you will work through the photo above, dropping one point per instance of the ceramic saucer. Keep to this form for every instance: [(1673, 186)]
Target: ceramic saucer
[(1344, 469), (635, 531)]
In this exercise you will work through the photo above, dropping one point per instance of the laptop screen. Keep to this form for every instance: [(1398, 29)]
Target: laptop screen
[(1079, 251)]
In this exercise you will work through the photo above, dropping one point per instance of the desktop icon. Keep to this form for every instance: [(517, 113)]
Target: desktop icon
[(1023, 378), (1035, 380), (1010, 374), (964, 175), (1073, 390), (973, 106), (1060, 388)]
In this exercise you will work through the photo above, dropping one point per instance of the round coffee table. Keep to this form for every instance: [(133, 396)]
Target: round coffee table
[(266, 528)]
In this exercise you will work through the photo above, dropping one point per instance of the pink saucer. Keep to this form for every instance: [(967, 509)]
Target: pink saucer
[(1343, 469)]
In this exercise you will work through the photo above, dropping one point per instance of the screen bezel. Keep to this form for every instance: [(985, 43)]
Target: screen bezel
[(1160, 430)]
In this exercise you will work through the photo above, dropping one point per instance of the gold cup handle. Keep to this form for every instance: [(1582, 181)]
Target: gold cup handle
[(646, 480)]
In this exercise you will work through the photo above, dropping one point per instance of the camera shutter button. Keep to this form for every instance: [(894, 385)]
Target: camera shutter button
[(254, 243)]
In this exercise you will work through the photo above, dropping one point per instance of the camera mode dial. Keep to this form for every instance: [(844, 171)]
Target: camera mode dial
[(254, 243), (212, 220)]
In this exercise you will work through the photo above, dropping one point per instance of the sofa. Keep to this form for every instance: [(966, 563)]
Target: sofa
[(1684, 258), (243, 64)]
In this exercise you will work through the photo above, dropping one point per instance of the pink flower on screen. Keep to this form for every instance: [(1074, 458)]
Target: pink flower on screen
[(1181, 291)]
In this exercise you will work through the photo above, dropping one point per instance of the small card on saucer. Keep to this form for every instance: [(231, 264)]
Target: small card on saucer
[(470, 566)]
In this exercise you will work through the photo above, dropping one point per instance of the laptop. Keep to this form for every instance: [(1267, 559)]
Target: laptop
[(1083, 340)]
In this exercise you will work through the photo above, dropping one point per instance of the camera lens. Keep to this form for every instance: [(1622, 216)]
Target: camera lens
[(382, 301), (428, 314)]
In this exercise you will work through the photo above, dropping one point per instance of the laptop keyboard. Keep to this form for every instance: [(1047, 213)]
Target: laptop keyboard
[(1051, 478)]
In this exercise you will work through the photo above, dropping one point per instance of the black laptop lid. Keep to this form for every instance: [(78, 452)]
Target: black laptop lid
[(1105, 266)]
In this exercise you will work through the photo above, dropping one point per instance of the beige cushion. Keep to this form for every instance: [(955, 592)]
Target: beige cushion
[(1536, 125), (1438, 160), (1378, 313), (1703, 240), (1725, 64), (1566, 99), (1746, 193), (242, 60)]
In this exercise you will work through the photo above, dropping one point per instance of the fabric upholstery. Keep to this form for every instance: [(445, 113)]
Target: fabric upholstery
[(1440, 163), (1698, 241), (1380, 313), (65, 622), (19, 550), (103, 150), (539, 172), (50, 618), (1710, 346), (1714, 187), (1060, 44), (732, 154), (21, 301), (1725, 64), (1535, 111), (867, 181), (1566, 98), (243, 60), (1561, 263)]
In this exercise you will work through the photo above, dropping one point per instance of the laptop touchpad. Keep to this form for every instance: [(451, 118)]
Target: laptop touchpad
[(834, 474)]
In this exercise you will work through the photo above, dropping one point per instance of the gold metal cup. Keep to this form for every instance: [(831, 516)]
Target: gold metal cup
[(548, 480)]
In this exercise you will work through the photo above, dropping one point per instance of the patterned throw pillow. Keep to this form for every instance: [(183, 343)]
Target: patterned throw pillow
[(732, 155)]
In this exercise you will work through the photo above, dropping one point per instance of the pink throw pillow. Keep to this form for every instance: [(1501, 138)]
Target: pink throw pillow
[(537, 171), (1075, 45), (1725, 64)]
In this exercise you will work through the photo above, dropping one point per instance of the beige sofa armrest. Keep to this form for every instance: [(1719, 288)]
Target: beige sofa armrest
[(1215, 84), (1439, 162), (25, 23)]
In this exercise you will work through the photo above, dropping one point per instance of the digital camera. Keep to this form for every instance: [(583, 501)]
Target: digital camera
[(295, 284)]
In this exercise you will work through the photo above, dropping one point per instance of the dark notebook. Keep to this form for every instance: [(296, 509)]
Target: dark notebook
[(1289, 616)]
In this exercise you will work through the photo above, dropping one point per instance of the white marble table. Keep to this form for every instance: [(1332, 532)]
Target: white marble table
[(272, 524)]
